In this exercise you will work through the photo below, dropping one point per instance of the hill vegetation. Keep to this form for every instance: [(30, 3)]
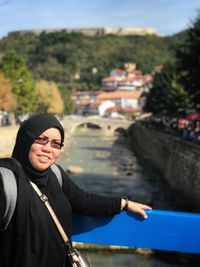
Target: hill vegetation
[(69, 59), (59, 56)]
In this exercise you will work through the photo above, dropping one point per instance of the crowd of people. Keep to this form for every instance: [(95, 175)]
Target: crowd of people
[(188, 129)]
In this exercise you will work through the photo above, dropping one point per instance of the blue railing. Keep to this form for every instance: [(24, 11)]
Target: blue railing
[(162, 230)]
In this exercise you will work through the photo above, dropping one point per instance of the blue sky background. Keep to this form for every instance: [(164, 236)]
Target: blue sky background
[(166, 16)]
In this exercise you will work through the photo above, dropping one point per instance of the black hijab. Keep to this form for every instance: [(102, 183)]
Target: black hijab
[(28, 131)]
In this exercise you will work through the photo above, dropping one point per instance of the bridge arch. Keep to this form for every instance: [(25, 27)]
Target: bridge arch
[(121, 130), (90, 124), (108, 126)]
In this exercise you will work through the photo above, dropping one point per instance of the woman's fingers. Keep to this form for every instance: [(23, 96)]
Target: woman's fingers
[(138, 208)]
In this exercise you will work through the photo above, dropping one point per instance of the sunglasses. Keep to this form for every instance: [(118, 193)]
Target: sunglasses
[(44, 141)]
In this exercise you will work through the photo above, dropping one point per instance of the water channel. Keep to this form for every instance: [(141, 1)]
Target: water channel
[(108, 167)]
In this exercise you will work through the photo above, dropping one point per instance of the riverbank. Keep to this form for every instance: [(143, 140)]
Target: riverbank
[(139, 179), (175, 160)]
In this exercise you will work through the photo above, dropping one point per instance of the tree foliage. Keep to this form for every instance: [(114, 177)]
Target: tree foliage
[(188, 56), (167, 94), (7, 100), (15, 69), (66, 95), (60, 56), (48, 98), (178, 85), (23, 44)]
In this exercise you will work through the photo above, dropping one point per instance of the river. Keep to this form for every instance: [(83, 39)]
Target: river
[(108, 167)]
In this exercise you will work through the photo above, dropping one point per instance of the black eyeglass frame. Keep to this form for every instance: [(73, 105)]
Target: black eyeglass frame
[(44, 141)]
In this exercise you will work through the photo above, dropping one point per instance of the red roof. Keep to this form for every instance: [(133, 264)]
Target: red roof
[(137, 72)]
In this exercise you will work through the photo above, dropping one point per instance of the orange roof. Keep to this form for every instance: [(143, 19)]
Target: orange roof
[(110, 79), (131, 109), (116, 95), (136, 72), (118, 108)]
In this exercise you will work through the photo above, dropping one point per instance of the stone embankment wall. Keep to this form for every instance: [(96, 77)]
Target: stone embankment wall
[(177, 160), (7, 140)]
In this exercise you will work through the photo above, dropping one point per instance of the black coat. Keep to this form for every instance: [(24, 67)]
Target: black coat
[(31, 239)]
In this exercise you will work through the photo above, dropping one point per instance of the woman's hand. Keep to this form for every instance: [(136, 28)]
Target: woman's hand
[(136, 207)]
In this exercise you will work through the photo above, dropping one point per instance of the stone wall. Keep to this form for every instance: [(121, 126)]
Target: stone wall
[(7, 140), (94, 31), (177, 160)]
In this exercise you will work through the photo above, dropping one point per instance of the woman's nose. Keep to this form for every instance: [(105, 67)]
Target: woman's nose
[(47, 146)]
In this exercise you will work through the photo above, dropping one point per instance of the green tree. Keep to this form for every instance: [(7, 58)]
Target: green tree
[(23, 44), (66, 94), (167, 94), (15, 69), (188, 56)]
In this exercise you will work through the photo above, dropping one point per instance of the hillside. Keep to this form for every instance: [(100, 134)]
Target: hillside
[(69, 58)]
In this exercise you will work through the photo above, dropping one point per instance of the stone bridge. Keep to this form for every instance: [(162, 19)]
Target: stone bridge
[(108, 126)]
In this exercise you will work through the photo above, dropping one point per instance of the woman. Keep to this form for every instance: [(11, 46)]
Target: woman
[(31, 238)]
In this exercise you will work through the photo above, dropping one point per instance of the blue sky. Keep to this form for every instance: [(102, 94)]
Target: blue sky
[(166, 16)]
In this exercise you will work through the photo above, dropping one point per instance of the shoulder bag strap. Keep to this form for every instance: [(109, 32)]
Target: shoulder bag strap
[(44, 199)]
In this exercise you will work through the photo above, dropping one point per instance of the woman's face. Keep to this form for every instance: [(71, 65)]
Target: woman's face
[(46, 149)]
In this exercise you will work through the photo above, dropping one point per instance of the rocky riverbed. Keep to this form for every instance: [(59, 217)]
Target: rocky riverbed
[(138, 179)]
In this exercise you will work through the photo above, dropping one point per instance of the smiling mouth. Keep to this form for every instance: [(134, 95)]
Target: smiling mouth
[(45, 158)]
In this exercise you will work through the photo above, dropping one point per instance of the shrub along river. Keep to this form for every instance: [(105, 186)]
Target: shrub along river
[(105, 165)]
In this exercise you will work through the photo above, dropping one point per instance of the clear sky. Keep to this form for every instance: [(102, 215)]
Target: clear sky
[(166, 16)]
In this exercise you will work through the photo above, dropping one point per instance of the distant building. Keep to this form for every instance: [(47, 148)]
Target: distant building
[(130, 79), (93, 31), (121, 92)]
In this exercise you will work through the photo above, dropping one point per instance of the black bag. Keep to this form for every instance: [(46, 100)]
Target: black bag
[(76, 258)]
